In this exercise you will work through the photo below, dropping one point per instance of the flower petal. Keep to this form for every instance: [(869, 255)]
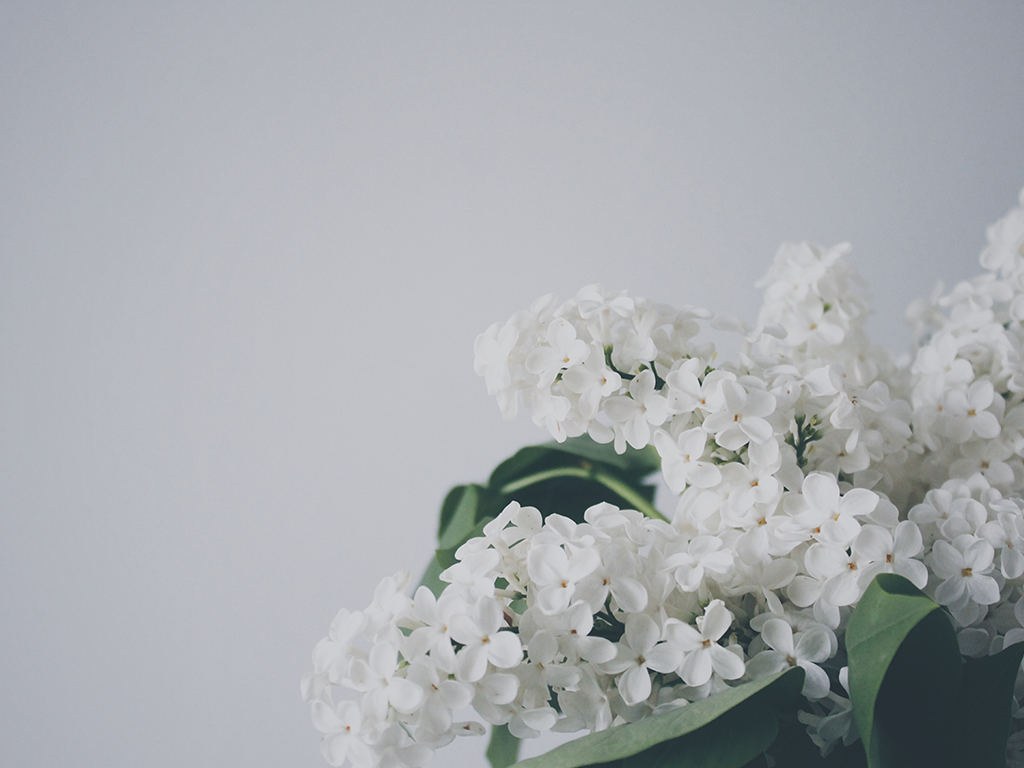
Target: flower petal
[(635, 685), (726, 664), (504, 650), (778, 635)]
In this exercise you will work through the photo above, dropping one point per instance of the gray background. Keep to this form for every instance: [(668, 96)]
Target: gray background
[(245, 249)]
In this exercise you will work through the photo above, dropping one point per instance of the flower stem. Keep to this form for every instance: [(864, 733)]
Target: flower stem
[(639, 502), (611, 483)]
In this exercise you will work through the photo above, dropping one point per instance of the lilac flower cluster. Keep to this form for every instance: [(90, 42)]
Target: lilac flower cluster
[(802, 468)]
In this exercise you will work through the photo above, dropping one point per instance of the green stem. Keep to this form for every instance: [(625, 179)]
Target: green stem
[(611, 483), (540, 477), (639, 502)]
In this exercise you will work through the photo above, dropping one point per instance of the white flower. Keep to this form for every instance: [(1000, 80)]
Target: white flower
[(617, 576), (492, 350), (838, 570), (752, 489), (636, 414), (963, 565), (575, 641), (549, 411), (389, 604), (638, 651), (483, 642), (563, 351), (809, 649), (441, 697), (966, 414), (938, 368), (545, 671), (989, 457), (826, 730), (398, 750), (381, 684), (434, 637), (1005, 248), (555, 573), (497, 688), (1007, 536), (331, 655), (592, 380), (682, 460), (593, 301), (522, 723), (475, 571), (587, 708), (341, 725), (686, 392), (742, 418), (828, 516), (633, 344), (702, 554), (808, 321), (891, 553), (702, 653)]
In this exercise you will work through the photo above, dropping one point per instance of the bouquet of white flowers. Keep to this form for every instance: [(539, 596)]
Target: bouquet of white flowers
[(841, 582)]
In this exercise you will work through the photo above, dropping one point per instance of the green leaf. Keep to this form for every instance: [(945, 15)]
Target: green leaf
[(432, 577), (526, 461), (446, 557), (461, 506), (503, 749), (634, 462), (905, 670), (794, 749), (578, 452), (570, 491), (448, 506), (568, 478), (980, 723), (748, 726), (732, 740)]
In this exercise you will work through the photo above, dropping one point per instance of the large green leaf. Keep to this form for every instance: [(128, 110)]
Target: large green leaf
[(793, 748), (458, 515), (980, 722), (569, 477), (731, 740), (905, 671), (575, 451), (639, 463), (432, 577), (726, 730), (503, 749)]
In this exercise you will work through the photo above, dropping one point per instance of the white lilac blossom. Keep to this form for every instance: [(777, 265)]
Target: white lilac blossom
[(802, 468)]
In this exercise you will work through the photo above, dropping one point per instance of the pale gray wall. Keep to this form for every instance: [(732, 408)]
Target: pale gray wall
[(245, 248)]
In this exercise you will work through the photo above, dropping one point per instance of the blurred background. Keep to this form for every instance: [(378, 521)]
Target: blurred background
[(245, 248)]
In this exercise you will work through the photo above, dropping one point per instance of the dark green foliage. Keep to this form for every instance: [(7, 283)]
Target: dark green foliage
[(980, 721), (793, 748), (905, 669), (727, 730), (458, 515), (915, 701)]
